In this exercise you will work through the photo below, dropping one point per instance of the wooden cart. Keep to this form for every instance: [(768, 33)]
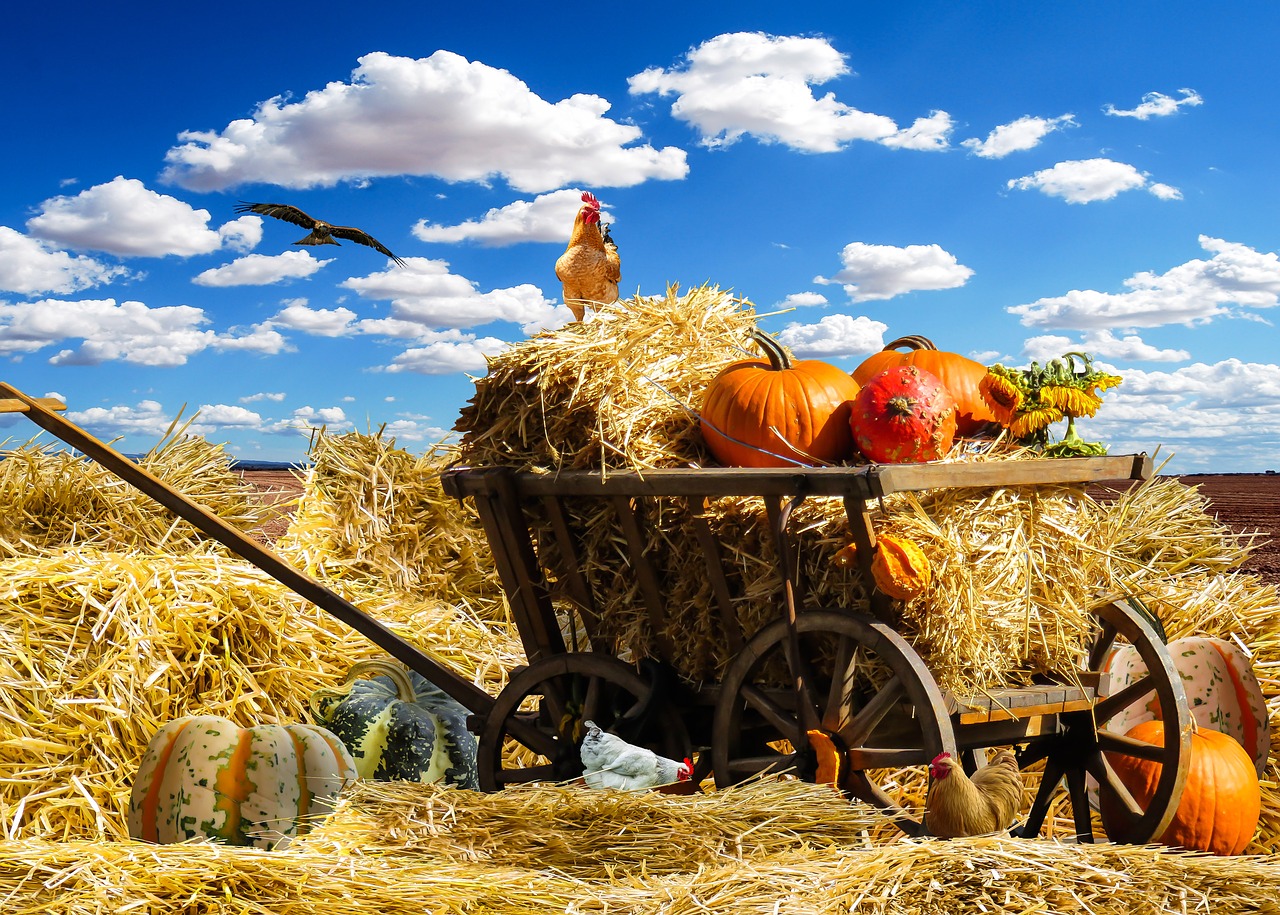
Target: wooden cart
[(749, 722), (746, 723)]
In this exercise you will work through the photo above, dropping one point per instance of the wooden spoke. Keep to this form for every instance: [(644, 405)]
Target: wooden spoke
[(1102, 644), (1108, 781), (874, 712), (746, 766), (1127, 746), (888, 757), (839, 707), (1111, 706), (567, 690), (782, 719), (901, 723)]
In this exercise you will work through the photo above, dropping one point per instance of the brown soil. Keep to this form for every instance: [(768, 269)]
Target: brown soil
[(275, 486), (1246, 502)]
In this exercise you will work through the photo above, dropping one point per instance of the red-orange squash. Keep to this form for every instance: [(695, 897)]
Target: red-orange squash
[(778, 412), (960, 375), (903, 415), (1221, 800), (900, 567)]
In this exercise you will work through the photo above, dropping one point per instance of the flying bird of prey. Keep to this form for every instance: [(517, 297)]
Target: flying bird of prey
[(322, 233)]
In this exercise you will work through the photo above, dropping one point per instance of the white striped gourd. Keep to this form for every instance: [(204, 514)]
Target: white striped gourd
[(203, 776)]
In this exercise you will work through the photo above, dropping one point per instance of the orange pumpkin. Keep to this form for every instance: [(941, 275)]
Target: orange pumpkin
[(900, 567), (779, 412), (959, 374), (1221, 800)]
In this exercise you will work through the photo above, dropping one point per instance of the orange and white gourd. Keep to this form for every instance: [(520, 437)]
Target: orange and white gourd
[(203, 776), (1223, 692)]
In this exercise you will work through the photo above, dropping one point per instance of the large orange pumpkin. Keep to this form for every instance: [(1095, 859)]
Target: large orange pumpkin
[(779, 412), (1221, 800), (959, 374)]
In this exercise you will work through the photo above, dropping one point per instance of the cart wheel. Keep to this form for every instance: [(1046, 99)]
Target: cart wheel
[(1083, 743), (859, 689), (533, 731)]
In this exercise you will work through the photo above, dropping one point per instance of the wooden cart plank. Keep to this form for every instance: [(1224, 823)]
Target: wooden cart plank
[(865, 482)]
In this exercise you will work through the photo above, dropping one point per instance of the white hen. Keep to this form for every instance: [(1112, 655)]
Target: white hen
[(609, 761)]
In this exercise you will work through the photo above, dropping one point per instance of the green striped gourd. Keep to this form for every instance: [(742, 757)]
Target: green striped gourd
[(399, 726), (203, 776)]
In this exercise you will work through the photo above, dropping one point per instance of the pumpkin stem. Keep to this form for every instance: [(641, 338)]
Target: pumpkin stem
[(370, 667), (779, 361), (914, 341), (901, 405)]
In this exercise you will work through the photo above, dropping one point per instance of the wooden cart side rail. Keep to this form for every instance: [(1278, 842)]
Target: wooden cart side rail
[(209, 524), (866, 482)]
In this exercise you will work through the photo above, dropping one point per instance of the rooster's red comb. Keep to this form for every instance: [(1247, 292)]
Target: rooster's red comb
[(590, 199)]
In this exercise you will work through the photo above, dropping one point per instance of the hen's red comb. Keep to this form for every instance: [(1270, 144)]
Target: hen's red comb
[(590, 199)]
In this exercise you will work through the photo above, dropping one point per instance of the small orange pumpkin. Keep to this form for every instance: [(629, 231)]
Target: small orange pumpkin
[(960, 375), (780, 412), (900, 567), (1221, 799)]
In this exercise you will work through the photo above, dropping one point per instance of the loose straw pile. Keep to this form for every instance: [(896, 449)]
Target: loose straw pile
[(55, 499), (592, 835), (759, 850), (374, 513), (100, 647)]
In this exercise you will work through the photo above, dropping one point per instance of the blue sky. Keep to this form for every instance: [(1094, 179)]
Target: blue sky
[(1012, 180)]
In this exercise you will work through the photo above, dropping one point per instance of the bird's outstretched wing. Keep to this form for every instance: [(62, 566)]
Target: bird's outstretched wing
[(361, 237), (279, 211)]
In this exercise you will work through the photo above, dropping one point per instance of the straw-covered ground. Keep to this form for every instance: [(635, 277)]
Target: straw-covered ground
[(114, 619)]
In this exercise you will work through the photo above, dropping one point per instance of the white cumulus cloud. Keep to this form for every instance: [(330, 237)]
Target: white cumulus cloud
[(750, 83), (29, 266), (548, 217), (443, 116), (1157, 104), (445, 358), (147, 419), (1101, 344), (1089, 180), (261, 269), (321, 322), (425, 293), (803, 300), (1236, 277), (873, 272), (834, 336), (1024, 133), (124, 218)]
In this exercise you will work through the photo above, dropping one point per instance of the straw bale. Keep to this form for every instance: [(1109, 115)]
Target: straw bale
[(373, 512), (617, 391), (55, 499), (98, 650)]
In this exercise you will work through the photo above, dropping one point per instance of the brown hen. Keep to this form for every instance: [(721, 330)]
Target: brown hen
[(964, 805), (589, 269)]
